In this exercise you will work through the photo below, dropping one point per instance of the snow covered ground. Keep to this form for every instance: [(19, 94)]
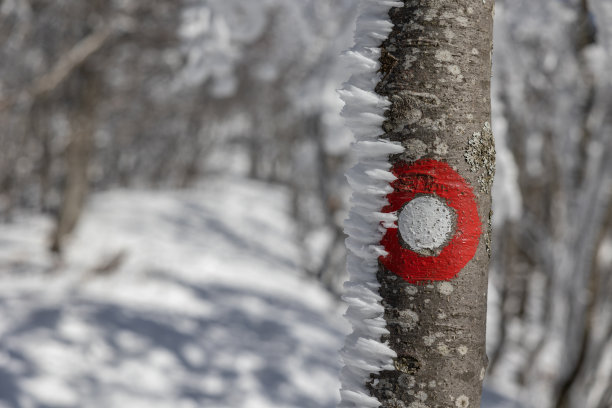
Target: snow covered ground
[(180, 299), (168, 299)]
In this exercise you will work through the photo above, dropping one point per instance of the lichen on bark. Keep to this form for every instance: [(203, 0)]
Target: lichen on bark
[(478, 154)]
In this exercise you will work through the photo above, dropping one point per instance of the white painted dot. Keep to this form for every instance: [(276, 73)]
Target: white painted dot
[(425, 223)]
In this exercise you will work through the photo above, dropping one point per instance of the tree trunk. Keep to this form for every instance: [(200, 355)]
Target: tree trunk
[(82, 127), (432, 270)]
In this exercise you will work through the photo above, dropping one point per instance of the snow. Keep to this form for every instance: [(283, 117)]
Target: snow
[(206, 308), (363, 352)]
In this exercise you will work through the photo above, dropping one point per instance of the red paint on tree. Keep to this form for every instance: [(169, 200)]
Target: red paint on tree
[(432, 177)]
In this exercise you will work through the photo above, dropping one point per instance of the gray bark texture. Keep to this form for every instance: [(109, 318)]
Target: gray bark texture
[(436, 70)]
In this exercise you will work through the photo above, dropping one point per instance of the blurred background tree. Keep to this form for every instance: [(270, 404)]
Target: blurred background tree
[(134, 94), (550, 325), (98, 95)]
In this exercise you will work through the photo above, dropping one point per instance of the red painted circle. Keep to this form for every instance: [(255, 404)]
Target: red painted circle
[(432, 177)]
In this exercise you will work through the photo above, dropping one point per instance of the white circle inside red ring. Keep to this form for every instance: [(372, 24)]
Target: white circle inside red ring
[(425, 224), (437, 178)]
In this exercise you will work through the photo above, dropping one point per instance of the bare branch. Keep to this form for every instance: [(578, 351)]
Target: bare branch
[(63, 67)]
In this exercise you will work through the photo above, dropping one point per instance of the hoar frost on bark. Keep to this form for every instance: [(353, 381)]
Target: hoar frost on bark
[(418, 343)]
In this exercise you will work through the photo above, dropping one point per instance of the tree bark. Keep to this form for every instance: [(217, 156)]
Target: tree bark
[(436, 69), (82, 126)]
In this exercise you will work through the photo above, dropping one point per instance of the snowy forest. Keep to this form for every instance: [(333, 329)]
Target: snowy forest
[(173, 198)]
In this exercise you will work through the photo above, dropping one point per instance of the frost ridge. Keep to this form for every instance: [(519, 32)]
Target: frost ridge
[(363, 352)]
